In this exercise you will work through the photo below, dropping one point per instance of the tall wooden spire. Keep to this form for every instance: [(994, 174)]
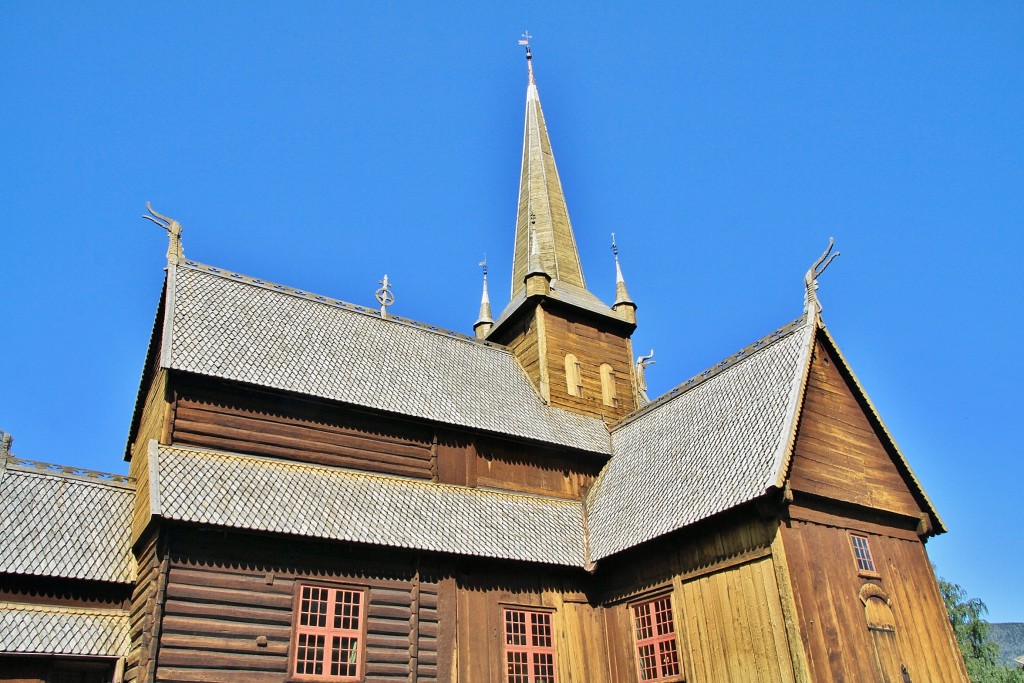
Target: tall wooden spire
[(543, 214), (574, 347)]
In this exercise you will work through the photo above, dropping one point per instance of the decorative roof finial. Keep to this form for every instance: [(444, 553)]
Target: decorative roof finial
[(5, 443), (641, 381), (384, 296), (621, 294), (525, 42), (484, 321), (812, 306), (175, 252)]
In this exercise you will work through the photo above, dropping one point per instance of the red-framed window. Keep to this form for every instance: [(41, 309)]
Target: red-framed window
[(862, 554), (657, 654), (529, 647), (328, 638)]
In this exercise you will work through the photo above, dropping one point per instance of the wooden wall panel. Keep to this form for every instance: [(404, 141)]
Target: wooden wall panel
[(533, 469), (569, 333), (732, 625), (227, 592), (152, 423), (233, 419), (826, 586), (482, 591), (838, 453), (142, 611)]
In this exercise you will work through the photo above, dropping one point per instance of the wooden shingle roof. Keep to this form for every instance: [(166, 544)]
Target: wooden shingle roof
[(234, 327), (65, 523), (61, 630)]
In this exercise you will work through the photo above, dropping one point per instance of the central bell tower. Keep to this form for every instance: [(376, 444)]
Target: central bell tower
[(575, 348)]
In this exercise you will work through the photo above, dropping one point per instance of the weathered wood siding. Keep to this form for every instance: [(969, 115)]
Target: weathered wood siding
[(568, 332), (152, 423), (143, 615), (729, 611), (546, 334), (826, 586), (243, 421), (484, 590), (510, 466), (523, 340), (225, 591), (839, 453)]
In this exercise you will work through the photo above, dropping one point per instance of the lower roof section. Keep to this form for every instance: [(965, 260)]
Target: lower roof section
[(60, 630), (65, 522), (261, 494)]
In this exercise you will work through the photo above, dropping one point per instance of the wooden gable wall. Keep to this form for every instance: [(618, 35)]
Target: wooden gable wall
[(840, 454), (846, 478)]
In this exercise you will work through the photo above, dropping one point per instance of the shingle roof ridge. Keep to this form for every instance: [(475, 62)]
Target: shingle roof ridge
[(63, 609), (482, 492), (701, 377), (81, 474), (338, 303)]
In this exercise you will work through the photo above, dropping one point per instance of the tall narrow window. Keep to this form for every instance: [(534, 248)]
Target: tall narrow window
[(657, 655), (529, 647), (328, 634), (573, 381), (608, 393), (862, 554)]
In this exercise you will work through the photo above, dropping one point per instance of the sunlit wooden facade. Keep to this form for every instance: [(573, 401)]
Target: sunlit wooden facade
[(321, 493)]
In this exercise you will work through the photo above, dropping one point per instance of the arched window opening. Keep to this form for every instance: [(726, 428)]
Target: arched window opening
[(608, 393), (573, 382)]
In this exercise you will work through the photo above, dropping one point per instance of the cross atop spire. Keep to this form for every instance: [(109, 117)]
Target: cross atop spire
[(525, 42)]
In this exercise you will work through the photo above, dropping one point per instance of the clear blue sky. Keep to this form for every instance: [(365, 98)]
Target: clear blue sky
[(323, 144)]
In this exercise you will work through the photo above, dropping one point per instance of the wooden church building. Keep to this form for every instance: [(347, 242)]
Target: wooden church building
[(322, 492)]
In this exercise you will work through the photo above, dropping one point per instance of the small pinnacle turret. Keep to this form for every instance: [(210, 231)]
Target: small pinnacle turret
[(537, 280), (624, 304), (484, 321)]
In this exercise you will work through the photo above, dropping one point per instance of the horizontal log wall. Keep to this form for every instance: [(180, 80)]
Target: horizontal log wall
[(826, 586), (217, 416), (142, 611), (226, 592)]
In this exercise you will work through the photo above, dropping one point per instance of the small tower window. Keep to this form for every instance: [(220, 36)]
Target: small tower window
[(608, 394), (573, 382), (862, 554)]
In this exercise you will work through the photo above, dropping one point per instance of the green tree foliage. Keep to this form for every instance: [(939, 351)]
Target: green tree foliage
[(981, 655)]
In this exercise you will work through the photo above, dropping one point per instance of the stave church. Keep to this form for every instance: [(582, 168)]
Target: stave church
[(322, 492)]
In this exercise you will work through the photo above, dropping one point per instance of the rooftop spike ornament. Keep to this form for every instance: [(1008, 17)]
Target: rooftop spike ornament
[(175, 251), (384, 295), (812, 307)]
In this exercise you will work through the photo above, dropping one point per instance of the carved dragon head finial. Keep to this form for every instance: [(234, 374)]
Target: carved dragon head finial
[(811, 304), (175, 251)]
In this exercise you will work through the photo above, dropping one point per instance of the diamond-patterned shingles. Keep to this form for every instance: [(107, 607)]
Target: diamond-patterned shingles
[(49, 629), (308, 500), (704, 451), (57, 525), (231, 328)]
